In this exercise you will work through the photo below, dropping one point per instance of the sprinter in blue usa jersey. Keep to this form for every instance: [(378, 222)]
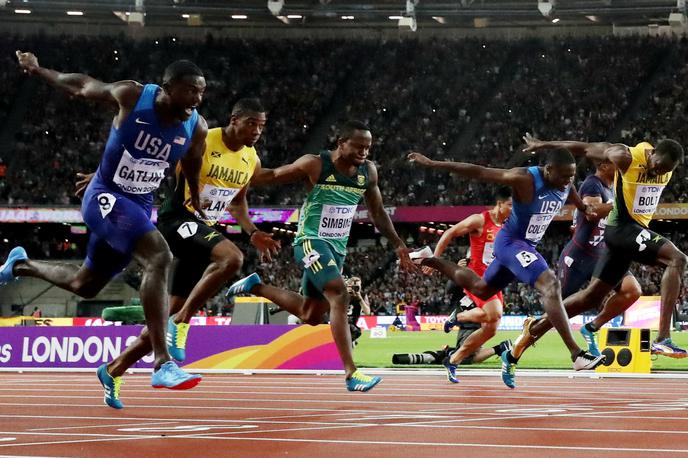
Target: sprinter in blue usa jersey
[(154, 128), (538, 195)]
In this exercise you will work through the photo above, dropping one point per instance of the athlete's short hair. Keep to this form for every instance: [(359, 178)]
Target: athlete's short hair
[(559, 156), (670, 149), (247, 105), (347, 129), (179, 69), (503, 193)]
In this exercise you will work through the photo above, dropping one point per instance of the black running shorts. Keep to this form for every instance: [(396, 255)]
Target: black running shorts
[(626, 243), (191, 242)]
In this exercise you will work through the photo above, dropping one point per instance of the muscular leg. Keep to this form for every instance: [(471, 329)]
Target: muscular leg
[(462, 276), (154, 255), (619, 302), (483, 354), (225, 261), (550, 288), (79, 280), (493, 313), (582, 301), (675, 262), (141, 346), (307, 309), (475, 315), (338, 297)]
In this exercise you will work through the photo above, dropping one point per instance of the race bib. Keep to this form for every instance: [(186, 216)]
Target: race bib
[(187, 229), (537, 226), (525, 258), (105, 203), (139, 176), (215, 200), (488, 253), (646, 199), (310, 258), (336, 220)]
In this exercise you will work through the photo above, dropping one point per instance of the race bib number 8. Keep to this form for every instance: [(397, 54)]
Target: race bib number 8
[(646, 199), (336, 220)]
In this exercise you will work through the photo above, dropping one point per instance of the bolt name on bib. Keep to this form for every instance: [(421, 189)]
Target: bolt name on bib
[(646, 199)]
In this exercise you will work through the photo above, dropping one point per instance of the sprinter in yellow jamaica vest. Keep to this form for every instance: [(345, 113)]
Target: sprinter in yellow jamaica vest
[(337, 181), (207, 260), (642, 172)]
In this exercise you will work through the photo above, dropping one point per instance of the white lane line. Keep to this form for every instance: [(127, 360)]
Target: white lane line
[(435, 444), (351, 400), (382, 392), (105, 426), (76, 441), (624, 414)]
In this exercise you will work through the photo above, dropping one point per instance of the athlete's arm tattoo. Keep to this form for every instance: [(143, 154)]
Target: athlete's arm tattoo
[(192, 162)]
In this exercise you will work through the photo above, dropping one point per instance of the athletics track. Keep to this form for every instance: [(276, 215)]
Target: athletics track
[(408, 414)]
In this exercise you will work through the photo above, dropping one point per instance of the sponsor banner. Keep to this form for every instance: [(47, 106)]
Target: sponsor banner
[(96, 321), (436, 322), (208, 347), (31, 321), (644, 313), (73, 215), (436, 214), (418, 214)]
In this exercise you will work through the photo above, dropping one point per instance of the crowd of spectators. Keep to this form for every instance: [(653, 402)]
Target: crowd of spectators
[(414, 95), (295, 80)]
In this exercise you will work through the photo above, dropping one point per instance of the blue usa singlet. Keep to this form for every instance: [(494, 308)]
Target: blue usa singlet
[(140, 150)]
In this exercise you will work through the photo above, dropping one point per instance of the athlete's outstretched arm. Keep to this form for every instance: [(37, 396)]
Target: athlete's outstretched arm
[(381, 220), (289, 173), (473, 223), (123, 93), (589, 210), (192, 161), (263, 241), (616, 153), (515, 177)]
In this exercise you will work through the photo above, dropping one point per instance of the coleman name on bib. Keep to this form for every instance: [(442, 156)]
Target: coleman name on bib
[(537, 226), (335, 221), (139, 176)]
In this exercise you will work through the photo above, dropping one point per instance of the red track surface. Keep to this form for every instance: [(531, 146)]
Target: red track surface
[(45, 414)]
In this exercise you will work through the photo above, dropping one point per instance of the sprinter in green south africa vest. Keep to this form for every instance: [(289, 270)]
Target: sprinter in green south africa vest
[(336, 181), (329, 209)]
